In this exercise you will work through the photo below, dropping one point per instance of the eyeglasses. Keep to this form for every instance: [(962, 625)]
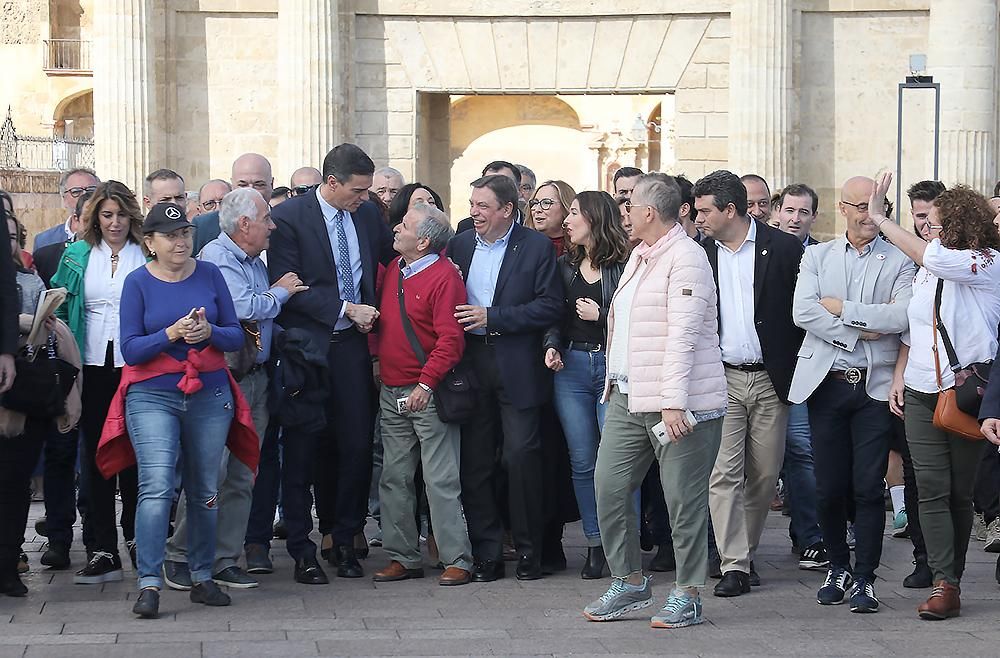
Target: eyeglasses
[(77, 192), (863, 206), (527, 187), (544, 204), (934, 227), (300, 189), (211, 205), (257, 184)]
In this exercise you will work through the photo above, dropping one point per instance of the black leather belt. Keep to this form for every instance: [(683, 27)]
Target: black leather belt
[(482, 339), (581, 346), (745, 367), (851, 375)]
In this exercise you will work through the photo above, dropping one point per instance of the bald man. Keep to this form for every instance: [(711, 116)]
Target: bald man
[(303, 179), (249, 170), (210, 195), (851, 299)]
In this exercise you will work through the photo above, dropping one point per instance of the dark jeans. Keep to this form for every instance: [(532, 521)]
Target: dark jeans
[(338, 461), (100, 384), (800, 479), (501, 427), (910, 493), (986, 496), (945, 466), (18, 457), (850, 440), (260, 526), (60, 484)]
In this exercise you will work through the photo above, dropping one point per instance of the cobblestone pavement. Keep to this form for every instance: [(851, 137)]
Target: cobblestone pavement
[(417, 617)]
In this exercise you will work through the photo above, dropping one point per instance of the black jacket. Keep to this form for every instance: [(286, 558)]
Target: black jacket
[(527, 301), (47, 260), (206, 229), (300, 379), (776, 269), (610, 276)]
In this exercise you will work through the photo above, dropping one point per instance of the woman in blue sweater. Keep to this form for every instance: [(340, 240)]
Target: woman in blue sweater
[(176, 306)]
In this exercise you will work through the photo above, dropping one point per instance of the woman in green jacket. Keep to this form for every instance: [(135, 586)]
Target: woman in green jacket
[(93, 270)]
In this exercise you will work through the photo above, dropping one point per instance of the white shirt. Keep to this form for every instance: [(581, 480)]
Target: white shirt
[(970, 310), (737, 333), (102, 294), (618, 361)]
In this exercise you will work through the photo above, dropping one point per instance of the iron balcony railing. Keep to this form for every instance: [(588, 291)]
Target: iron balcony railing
[(65, 56)]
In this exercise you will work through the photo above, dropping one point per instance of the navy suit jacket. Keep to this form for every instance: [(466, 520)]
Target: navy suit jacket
[(301, 244), (528, 300), (206, 229), (50, 236), (776, 269)]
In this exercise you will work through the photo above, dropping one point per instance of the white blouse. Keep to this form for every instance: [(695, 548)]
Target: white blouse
[(970, 310), (102, 294)]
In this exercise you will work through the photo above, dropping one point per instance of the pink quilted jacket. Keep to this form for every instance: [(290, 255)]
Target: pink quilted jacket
[(674, 356)]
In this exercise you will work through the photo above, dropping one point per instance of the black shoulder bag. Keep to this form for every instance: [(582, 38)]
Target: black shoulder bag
[(455, 396), (42, 382)]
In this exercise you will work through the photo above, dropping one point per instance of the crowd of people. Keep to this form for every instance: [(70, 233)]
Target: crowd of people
[(652, 362)]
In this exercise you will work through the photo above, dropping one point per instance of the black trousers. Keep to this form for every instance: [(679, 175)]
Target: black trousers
[(910, 497), (18, 457), (336, 462), (60, 484), (260, 525), (500, 428), (99, 386), (850, 441), (986, 496)]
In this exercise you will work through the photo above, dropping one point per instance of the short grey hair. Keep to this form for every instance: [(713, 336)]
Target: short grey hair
[(238, 203), (71, 172), (526, 172), (390, 172), (662, 193), (435, 226)]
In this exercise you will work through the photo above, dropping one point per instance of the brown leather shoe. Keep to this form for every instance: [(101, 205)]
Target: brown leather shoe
[(454, 576), (942, 603), (396, 571)]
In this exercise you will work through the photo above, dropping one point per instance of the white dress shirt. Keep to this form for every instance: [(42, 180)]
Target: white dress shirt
[(737, 333), (102, 294)]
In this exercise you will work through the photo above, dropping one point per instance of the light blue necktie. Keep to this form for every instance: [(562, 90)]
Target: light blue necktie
[(344, 271)]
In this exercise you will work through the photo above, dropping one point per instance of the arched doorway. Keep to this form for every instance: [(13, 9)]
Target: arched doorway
[(73, 117)]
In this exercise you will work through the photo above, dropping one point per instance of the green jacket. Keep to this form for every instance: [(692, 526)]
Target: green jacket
[(70, 276)]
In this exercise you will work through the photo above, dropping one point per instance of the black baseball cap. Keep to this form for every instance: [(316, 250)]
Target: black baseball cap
[(165, 218)]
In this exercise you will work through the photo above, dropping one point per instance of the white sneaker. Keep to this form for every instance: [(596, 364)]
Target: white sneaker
[(993, 537)]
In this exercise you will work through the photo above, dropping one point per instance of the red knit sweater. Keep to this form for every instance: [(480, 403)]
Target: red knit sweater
[(431, 297)]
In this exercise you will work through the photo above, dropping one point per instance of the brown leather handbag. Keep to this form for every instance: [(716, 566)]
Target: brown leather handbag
[(948, 414)]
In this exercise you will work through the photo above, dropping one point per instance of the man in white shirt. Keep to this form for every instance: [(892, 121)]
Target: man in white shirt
[(755, 267)]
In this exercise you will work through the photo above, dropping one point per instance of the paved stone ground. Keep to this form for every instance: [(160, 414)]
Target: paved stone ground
[(417, 617)]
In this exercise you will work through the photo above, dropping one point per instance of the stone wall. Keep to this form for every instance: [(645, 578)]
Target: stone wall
[(36, 199)]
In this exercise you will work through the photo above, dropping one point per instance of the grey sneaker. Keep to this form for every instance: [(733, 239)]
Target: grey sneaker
[(236, 578), (680, 610), (620, 599), (177, 575)]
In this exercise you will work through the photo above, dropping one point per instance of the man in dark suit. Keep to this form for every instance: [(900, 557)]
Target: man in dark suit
[(335, 240), (759, 342), (798, 206), (511, 171), (514, 294), (249, 170)]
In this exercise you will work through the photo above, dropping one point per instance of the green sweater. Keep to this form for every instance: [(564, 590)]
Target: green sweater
[(70, 276)]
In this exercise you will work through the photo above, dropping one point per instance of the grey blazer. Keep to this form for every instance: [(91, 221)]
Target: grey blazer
[(885, 296)]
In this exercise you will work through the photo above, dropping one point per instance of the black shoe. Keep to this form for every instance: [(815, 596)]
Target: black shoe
[(177, 575), (715, 567), (41, 526), (22, 563), (235, 577), (308, 572), (56, 557), (279, 530), (528, 568), (754, 576), (147, 605), (133, 558), (593, 568), (487, 571), (208, 592), (103, 567), (11, 585), (258, 559), (361, 545), (922, 577), (347, 562), (664, 559), (733, 583)]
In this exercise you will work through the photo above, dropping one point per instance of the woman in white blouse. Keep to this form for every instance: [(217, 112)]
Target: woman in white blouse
[(962, 253), (93, 270)]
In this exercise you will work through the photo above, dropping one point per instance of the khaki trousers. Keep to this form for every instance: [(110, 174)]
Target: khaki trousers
[(742, 483)]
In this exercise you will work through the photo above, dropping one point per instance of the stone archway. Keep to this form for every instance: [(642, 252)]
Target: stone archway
[(73, 117)]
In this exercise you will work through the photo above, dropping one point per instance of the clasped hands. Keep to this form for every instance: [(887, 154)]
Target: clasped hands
[(362, 315), (192, 328)]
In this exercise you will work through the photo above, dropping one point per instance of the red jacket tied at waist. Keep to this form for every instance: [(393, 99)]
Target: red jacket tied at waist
[(114, 452)]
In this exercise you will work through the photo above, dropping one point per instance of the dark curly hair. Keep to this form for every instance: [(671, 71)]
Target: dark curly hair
[(610, 240), (966, 220), (401, 202)]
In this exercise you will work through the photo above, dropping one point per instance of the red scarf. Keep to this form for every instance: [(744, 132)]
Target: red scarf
[(114, 452)]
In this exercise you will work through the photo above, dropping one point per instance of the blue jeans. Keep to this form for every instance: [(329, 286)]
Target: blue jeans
[(800, 480), (165, 425), (578, 389)]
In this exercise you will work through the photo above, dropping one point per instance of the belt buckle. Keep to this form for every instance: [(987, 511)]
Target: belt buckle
[(852, 375), (596, 349)]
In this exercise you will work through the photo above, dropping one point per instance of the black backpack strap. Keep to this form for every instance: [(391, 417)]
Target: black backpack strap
[(948, 347), (407, 327)]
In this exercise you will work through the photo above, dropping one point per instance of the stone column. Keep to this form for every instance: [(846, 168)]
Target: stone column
[(128, 140), (760, 99), (314, 57), (962, 56)]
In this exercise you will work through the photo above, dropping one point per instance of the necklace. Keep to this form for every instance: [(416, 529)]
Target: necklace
[(114, 259)]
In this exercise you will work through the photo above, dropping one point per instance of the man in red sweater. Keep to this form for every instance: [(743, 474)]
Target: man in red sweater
[(411, 428)]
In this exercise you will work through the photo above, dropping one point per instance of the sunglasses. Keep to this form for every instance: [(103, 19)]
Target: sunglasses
[(300, 189)]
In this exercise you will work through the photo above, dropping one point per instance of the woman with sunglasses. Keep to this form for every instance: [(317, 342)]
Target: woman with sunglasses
[(575, 349)]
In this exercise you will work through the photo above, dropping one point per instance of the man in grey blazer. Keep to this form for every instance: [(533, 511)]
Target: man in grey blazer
[(851, 299)]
